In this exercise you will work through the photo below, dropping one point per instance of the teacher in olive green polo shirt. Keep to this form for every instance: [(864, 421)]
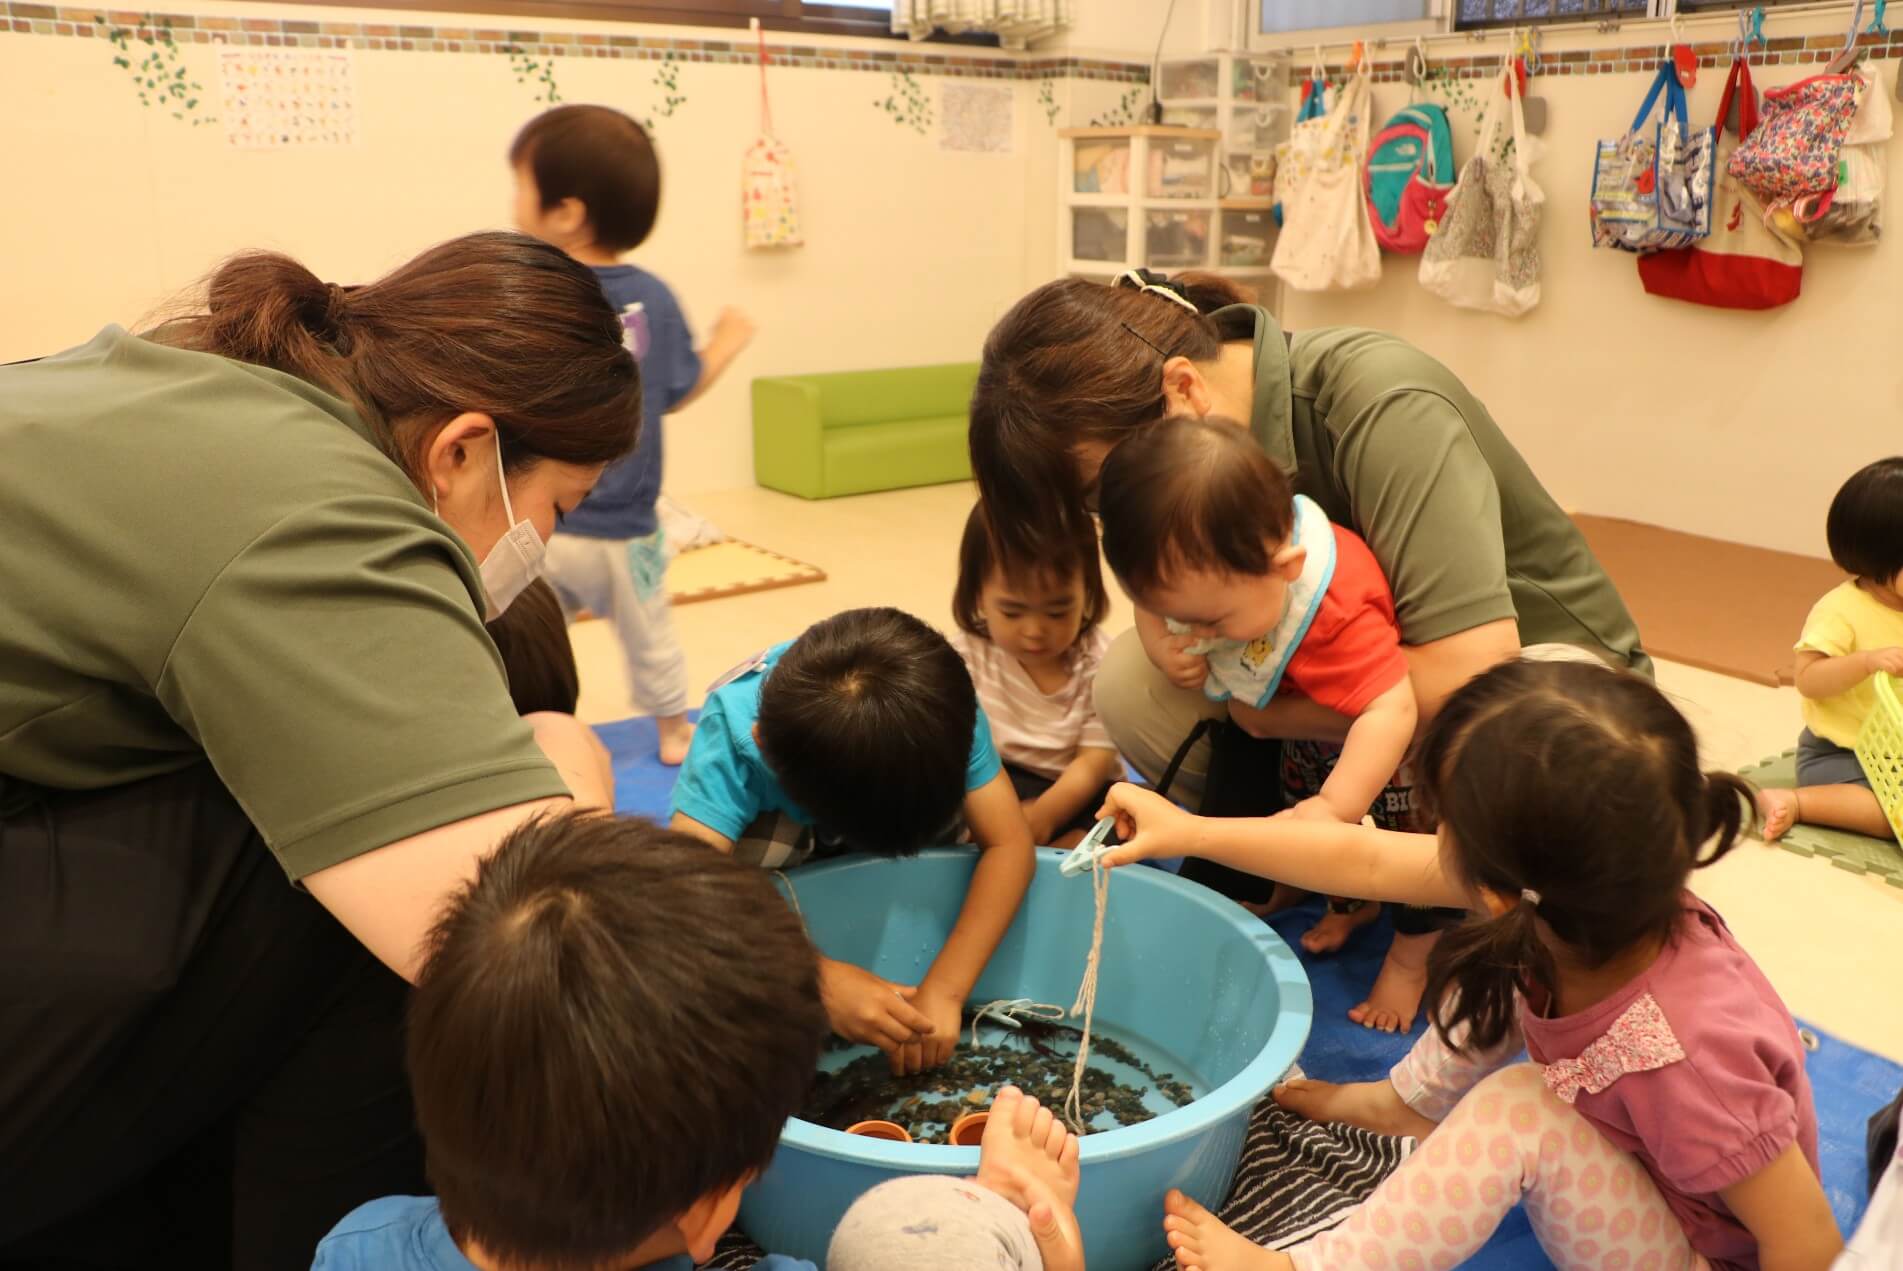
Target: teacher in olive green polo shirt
[(252, 730), (1480, 558)]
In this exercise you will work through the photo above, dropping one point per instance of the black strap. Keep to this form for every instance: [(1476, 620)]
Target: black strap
[(1196, 734)]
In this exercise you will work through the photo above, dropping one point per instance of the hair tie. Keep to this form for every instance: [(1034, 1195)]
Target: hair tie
[(1153, 283), (1530, 896), (333, 305)]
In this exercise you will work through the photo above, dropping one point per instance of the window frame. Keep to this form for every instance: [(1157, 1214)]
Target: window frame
[(795, 17)]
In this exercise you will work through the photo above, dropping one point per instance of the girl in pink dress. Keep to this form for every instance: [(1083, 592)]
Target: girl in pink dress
[(1665, 1120)]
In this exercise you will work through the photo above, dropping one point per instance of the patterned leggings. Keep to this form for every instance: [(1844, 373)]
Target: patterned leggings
[(1503, 1137)]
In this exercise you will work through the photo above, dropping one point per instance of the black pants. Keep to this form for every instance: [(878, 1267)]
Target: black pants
[(1248, 777), (198, 1065), (1030, 785)]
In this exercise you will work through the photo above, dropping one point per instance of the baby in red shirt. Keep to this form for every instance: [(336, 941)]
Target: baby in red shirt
[(1203, 530)]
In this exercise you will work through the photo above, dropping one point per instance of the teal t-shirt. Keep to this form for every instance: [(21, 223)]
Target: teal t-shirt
[(725, 783)]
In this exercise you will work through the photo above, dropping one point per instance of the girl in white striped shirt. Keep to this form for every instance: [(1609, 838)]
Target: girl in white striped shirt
[(1028, 631)]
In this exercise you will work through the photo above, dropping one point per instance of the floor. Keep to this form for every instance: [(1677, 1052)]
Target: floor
[(1799, 917)]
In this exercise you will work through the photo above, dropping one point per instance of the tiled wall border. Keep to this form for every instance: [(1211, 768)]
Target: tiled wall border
[(1791, 51), (66, 20)]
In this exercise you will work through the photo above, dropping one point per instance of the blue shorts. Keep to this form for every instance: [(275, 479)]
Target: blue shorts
[(1825, 763)]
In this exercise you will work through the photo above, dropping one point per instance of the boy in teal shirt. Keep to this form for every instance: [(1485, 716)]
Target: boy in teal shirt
[(865, 735)]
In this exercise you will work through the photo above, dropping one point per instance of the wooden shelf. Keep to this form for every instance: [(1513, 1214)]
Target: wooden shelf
[(1248, 203)]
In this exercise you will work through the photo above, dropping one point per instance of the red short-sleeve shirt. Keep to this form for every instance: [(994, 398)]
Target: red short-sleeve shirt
[(1352, 651)]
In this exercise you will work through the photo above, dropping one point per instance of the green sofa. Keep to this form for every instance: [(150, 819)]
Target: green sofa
[(851, 432)]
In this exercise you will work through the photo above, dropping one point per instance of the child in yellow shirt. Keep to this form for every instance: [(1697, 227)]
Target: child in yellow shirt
[(1855, 631)]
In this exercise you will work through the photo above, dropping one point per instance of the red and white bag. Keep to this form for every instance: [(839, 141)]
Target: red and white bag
[(769, 196), (1744, 263)]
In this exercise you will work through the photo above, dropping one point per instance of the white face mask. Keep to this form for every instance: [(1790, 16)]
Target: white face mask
[(516, 559)]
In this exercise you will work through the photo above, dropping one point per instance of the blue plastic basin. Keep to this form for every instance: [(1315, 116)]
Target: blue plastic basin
[(1188, 972)]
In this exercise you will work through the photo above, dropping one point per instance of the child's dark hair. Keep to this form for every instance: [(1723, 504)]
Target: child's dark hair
[(600, 157), (532, 637), (1190, 494), (867, 721), (981, 552), (1865, 525), (1579, 784), (613, 1021)]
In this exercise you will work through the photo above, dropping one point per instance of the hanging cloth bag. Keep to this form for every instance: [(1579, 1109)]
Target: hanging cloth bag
[(1296, 156), (1410, 173), (1793, 154), (1852, 214), (1486, 254), (769, 196), (1745, 263), (1651, 188), (1327, 243)]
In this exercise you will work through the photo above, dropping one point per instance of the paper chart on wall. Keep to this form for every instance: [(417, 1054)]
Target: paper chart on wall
[(284, 99), (976, 117)]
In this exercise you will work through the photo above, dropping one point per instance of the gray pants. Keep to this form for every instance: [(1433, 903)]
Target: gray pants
[(933, 1222), (624, 581)]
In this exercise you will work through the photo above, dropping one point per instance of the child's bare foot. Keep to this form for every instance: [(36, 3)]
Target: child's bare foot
[(676, 734), (1203, 1242), (1372, 1105), (1283, 897), (1030, 1159), (1396, 996), (1778, 810), (1336, 926)]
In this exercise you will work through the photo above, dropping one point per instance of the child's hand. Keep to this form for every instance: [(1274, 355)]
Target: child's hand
[(863, 1007), (1887, 660), (733, 330), (1149, 825), (1180, 667), (946, 1011)]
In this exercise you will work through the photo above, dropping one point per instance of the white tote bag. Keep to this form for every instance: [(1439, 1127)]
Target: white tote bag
[(769, 190), (1327, 242), (1486, 253)]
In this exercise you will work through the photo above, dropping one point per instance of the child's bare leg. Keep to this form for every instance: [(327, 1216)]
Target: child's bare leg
[(1395, 998), (1030, 1159), (677, 733), (1846, 807), (1203, 1242), (1283, 897), (1371, 1105), (1068, 840), (1337, 925)]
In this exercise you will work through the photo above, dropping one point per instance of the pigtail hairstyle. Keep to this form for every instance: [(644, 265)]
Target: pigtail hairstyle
[(1076, 362), (1573, 792)]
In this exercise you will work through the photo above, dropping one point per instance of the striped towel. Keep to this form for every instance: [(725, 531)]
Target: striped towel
[(1297, 1178)]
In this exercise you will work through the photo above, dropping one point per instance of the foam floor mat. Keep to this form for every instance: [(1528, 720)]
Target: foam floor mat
[(1848, 851)]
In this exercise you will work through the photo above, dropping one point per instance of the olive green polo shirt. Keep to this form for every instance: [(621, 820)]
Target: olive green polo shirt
[(1390, 442), (209, 560)]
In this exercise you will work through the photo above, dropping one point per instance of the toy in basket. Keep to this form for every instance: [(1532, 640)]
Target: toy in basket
[(1880, 751)]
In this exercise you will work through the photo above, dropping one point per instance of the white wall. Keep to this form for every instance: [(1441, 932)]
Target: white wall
[(912, 251), (1735, 425)]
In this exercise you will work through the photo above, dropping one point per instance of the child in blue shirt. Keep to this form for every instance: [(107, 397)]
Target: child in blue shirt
[(588, 181), (865, 734), (601, 1059)]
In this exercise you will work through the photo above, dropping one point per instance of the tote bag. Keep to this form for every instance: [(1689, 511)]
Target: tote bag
[(1652, 188), (1326, 243), (1486, 254), (769, 194), (1744, 264), (1296, 156), (1793, 154)]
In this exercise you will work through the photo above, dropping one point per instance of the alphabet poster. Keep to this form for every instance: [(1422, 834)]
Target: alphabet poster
[(283, 99)]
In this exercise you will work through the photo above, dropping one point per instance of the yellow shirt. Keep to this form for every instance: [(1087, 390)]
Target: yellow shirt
[(1847, 620)]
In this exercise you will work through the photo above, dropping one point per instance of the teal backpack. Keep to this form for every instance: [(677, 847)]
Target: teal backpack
[(1409, 174)]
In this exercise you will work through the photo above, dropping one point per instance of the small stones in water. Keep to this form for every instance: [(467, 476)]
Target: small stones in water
[(1038, 1059)]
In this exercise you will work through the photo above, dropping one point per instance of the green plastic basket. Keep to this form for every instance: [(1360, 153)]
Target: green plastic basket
[(1880, 751)]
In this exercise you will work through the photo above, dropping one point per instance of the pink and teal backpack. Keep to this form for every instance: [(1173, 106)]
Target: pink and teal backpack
[(1409, 174)]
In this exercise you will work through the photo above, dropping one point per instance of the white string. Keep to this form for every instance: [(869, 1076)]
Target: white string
[(1009, 1010), (1087, 999)]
